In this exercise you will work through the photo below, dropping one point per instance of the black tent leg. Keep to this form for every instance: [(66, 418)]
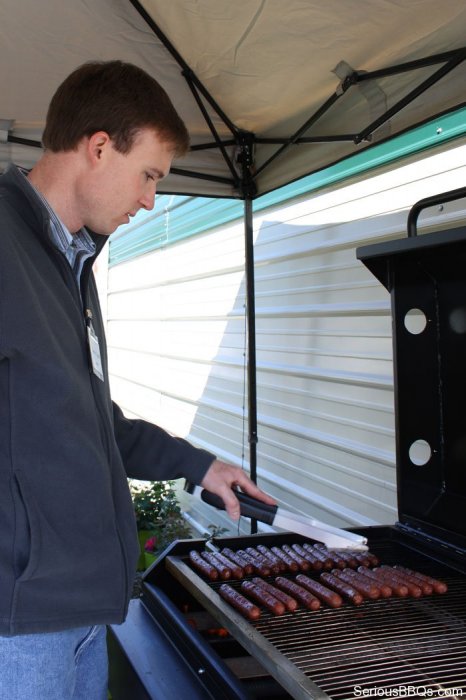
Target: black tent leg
[(251, 336)]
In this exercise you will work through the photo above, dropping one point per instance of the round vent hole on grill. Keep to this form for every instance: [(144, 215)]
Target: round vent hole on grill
[(420, 452), (457, 319), (415, 321)]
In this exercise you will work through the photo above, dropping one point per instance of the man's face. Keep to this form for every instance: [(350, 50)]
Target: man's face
[(121, 184)]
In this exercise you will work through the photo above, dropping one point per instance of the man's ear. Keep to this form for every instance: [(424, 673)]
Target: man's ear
[(97, 146)]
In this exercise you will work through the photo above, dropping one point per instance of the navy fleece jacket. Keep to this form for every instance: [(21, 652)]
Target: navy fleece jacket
[(68, 545)]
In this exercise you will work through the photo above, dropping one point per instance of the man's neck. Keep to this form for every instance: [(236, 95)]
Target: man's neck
[(53, 177)]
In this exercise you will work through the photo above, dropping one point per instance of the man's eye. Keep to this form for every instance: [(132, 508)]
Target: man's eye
[(149, 176)]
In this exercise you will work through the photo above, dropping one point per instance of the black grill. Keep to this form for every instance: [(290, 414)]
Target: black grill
[(386, 648)]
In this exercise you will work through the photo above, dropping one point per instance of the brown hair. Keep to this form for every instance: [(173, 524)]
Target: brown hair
[(115, 97)]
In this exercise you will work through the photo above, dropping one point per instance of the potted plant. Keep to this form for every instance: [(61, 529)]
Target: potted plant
[(158, 517)]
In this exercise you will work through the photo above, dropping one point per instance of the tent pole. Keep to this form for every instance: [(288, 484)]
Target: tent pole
[(245, 160), (251, 338)]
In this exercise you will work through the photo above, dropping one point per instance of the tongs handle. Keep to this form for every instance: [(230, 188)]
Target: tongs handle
[(249, 507)]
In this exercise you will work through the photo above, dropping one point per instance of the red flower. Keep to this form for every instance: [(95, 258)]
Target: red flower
[(151, 544)]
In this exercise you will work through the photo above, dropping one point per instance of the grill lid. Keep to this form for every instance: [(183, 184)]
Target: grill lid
[(426, 278)]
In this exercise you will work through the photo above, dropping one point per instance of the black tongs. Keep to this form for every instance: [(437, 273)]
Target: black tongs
[(332, 537)]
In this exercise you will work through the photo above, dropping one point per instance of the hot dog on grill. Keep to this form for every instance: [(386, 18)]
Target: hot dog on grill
[(302, 563), (348, 557), (203, 566), (438, 586), (332, 557), (425, 587), (239, 602), (236, 571), (290, 563), (258, 566), (398, 588), (237, 559), (385, 590), (304, 596), (374, 561), (324, 594), (367, 589), (362, 559), (413, 590), (223, 570), (261, 595), (342, 587), (316, 561), (263, 559), (290, 603), (268, 554)]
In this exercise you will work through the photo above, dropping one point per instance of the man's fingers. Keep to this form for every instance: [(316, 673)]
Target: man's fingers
[(230, 502), (221, 478)]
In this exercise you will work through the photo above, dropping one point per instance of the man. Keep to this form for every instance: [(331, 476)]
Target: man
[(68, 546)]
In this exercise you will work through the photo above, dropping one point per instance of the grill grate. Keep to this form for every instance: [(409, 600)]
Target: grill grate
[(388, 648), (383, 644)]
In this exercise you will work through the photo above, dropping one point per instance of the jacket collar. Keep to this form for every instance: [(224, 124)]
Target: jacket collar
[(31, 207)]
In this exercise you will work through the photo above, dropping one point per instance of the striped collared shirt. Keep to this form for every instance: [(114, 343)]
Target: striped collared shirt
[(75, 247)]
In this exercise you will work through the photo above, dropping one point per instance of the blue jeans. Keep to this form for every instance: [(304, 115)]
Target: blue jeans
[(70, 665)]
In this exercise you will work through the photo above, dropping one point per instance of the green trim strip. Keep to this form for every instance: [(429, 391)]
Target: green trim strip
[(173, 218), (176, 217)]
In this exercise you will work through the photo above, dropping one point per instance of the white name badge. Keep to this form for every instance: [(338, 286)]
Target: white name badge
[(94, 351)]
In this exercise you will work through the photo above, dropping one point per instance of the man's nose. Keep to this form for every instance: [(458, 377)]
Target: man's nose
[(148, 199)]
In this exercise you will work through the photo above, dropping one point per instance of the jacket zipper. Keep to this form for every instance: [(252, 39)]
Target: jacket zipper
[(82, 297), (84, 284)]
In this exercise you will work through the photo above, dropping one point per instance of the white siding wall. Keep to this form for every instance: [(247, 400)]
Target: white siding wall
[(325, 389)]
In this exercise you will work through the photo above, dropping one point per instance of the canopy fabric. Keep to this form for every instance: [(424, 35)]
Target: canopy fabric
[(268, 65)]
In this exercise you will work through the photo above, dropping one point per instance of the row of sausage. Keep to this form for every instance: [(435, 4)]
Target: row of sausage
[(343, 576), (332, 589), (268, 561)]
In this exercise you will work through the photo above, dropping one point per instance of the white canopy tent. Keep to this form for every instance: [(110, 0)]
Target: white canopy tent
[(270, 90), (314, 81)]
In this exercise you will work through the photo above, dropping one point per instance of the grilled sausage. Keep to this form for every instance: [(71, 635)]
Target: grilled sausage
[(237, 559), (353, 578), (323, 555), (315, 559), (348, 557), (398, 588), (223, 570), (302, 563), (268, 554), (263, 559), (362, 559), (203, 566), (290, 603), (385, 590), (257, 566), (261, 595), (374, 561), (290, 563), (298, 592), (343, 588), (438, 586), (239, 602), (413, 590), (324, 594), (425, 587), (236, 571), (334, 559)]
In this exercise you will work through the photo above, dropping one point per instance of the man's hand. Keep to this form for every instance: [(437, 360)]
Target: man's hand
[(221, 478)]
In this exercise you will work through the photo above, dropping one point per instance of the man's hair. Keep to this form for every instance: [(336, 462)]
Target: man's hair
[(115, 97)]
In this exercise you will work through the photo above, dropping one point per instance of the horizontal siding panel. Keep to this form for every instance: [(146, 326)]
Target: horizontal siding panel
[(176, 336)]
